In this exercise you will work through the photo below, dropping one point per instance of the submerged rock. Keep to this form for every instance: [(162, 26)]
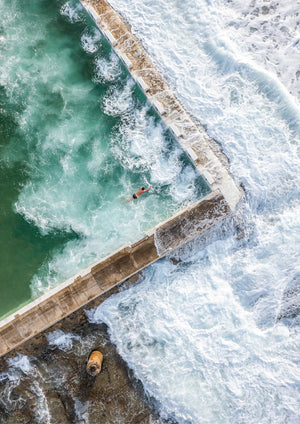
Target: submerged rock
[(58, 411), (290, 303)]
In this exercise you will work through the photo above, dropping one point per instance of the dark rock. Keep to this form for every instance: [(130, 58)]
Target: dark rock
[(110, 397), (290, 302), (265, 10), (57, 411)]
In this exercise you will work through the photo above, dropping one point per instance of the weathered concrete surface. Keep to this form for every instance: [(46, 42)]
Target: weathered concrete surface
[(125, 262), (111, 271), (201, 148), (193, 221)]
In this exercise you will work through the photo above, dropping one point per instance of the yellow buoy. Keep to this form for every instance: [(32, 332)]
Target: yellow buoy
[(94, 363)]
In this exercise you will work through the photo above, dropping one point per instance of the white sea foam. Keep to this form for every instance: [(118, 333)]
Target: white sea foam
[(198, 349), (72, 10), (63, 341), (139, 145), (90, 41), (203, 336), (95, 145), (269, 32), (107, 70), (81, 409), (264, 33), (21, 362), (42, 413), (21, 369), (119, 101), (140, 138)]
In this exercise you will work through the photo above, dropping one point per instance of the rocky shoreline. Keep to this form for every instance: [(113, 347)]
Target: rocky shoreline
[(56, 389)]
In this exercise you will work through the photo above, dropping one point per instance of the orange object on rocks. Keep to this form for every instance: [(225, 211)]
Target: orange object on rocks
[(94, 363)]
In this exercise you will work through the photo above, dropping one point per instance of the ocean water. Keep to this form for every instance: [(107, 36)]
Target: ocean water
[(204, 335), (77, 137)]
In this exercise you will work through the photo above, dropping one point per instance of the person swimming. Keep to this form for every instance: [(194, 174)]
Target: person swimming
[(137, 194)]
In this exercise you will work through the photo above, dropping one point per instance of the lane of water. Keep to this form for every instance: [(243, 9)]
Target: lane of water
[(203, 335), (79, 137)]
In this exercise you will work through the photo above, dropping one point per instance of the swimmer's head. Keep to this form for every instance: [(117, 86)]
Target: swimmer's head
[(143, 188)]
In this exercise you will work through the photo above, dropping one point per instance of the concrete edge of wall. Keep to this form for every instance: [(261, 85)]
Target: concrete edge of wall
[(101, 277)]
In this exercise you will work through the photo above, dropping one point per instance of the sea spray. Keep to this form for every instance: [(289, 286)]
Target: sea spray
[(204, 336), (23, 373), (61, 340), (200, 344)]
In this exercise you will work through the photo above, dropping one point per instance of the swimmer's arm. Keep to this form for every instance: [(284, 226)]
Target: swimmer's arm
[(148, 189)]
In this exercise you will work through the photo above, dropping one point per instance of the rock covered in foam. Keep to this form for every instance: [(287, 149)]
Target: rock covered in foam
[(290, 303)]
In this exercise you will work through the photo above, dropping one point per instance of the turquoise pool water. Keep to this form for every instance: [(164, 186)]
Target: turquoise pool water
[(77, 137)]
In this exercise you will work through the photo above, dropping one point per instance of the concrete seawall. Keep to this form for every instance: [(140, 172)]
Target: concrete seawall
[(98, 280)]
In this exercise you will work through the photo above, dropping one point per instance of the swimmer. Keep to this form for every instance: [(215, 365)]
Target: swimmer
[(137, 194)]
